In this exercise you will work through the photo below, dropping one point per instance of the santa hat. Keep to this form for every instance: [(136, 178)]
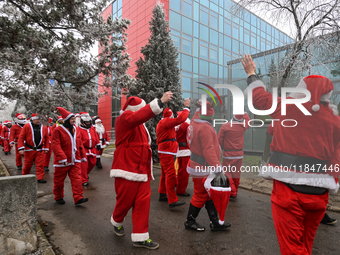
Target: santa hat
[(98, 120), (7, 122), (50, 120), (64, 113), (77, 115), (35, 116), (134, 104), (238, 117), (167, 113), (85, 116), (320, 87), (210, 112), (60, 118)]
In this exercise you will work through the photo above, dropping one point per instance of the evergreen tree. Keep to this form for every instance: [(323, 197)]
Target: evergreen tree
[(51, 40), (157, 71)]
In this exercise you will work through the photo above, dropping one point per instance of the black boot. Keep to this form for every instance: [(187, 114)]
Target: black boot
[(214, 219), (191, 223), (99, 164)]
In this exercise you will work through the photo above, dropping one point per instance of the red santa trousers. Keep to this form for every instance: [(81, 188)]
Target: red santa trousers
[(167, 182), (48, 156), (38, 158), (135, 195), (18, 156), (86, 167), (200, 196), (74, 173), (99, 153), (182, 176), (233, 171), (296, 218), (7, 148)]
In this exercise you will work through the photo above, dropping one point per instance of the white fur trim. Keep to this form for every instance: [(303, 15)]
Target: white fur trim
[(302, 84), (121, 112), (35, 118), (135, 108), (316, 107), (155, 107), (253, 85), (187, 121), (300, 178), (184, 153), (326, 97), (68, 116), (139, 237), (114, 223), (97, 120), (167, 152), (185, 108), (221, 222), (239, 157), (334, 109), (128, 175)]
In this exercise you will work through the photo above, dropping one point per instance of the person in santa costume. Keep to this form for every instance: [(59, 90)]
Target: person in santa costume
[(48, 155), (34, 144), (1, 141), (91, 143), (167, 150), (5, 134), (204, 160), (78, 122), (300, 162), (20, 120), (68, 152), (58, 122), (231, 140), (183, 156), (103, 138), (132, 168)]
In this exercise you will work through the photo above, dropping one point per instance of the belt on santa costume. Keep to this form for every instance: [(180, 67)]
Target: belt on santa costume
[(233, 150), (33, 148), (182, 144), (294, 162), (198, 159), (168, 140)]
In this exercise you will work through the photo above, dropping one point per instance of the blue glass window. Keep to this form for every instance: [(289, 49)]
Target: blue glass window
[(175, 5), (119, 4), (196, 29), (204, 18), (187, 46), (253, 42), (227, 28), (247, 25), (214, 37), (187, 9), (236, 46), (214, 22), (214, 1), (220, 24), (247, 16), (187, 25), (220, 40), (204, 33), (196, 11), (177, 41), (246, 49), (120, 12), (175, 20), (236, 33), (114, 7), (195, 47), (205, 3), (186, 95), (220, 73), (269, 29), (195, 65), (213, 55), (186, 63), (186, 83), (227, 43), (246, 38), (204, 67), (220, 57), (213, 7), (213, 70), (263, 46), (253, 19), (204, 53)]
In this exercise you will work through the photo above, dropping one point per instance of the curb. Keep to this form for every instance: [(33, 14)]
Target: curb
[(2, 165), (44, 246)]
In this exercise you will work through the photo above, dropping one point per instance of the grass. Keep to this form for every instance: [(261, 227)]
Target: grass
[(251, 160)]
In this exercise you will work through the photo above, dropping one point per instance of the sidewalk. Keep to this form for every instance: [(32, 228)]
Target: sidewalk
[(250, 181)]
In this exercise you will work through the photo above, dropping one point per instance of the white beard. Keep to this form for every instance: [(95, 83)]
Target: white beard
[(100, 129), (78, 122)]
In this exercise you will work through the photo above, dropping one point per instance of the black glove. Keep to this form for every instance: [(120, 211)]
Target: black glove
[(99, 147)]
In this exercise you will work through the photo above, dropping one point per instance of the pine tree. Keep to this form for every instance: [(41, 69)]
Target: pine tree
[(157, 72)]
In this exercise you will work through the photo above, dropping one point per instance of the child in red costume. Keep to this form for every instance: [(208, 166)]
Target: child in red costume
[(20, 120)]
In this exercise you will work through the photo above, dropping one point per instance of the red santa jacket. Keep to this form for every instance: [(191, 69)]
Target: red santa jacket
[(1, 126), (49, 131), (90, 140), (103, 139), (26, 137), (165, 130), (205, 149), (315, 136), (15, 132), (67, 148), (5, 132), (181, 138), (133, 157), (231, 138)]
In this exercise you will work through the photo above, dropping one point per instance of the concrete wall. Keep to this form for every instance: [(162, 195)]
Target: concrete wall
[(18, 214)]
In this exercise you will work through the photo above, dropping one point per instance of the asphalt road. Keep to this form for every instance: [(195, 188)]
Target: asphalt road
[(87, 229)]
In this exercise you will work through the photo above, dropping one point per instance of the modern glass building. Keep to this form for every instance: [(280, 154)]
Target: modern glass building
[(208, 35)]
